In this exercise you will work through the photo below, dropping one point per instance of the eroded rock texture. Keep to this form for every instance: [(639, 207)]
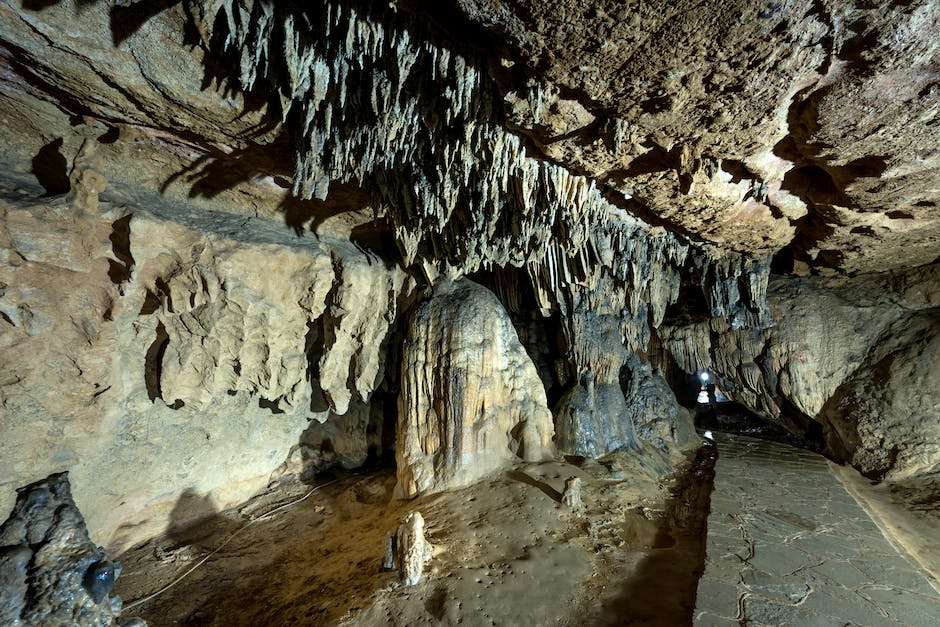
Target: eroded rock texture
[(160, 346), (50, 571), (753, 125), (851, 357), (471, 400)]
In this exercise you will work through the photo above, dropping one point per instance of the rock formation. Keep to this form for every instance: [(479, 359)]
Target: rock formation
[(160, 339), (50, 571), (834, 360), (408, 549), (754, 126), (571, 497), (471, 400), (236, 236)]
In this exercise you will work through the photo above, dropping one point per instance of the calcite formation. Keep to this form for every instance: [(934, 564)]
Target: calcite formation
[(236, 236), (571, 496), (471, 400), (753, 125), (50, 571), (160, 342), (376, 95), (409, 549)]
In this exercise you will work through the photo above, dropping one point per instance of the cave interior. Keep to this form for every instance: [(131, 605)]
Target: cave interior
[(482, 312)]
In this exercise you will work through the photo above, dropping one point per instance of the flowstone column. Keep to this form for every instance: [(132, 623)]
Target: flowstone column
[(471, 400)]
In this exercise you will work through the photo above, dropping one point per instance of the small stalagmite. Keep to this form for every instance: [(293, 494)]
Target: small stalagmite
[(408, 550), (571, 497)]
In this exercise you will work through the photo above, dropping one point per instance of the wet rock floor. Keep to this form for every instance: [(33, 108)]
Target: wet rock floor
[(788, 545)]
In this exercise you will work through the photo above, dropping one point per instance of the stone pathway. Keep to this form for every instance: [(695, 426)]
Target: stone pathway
[(788, 545)]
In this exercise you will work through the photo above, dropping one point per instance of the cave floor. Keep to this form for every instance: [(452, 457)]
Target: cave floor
[(507, 552), (789, 544)]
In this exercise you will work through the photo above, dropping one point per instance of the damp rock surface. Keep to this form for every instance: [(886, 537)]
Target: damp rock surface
[(751, 124)]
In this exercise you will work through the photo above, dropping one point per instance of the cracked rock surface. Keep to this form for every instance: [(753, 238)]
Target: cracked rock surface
[(788, 545)]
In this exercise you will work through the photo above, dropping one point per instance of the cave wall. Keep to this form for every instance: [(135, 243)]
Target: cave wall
[(219, 217), (150, 353), (834, 358)]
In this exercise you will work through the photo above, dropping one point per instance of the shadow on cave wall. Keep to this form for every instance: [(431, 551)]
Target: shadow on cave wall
[(363, 437), (814, 180), (50, 167), (196, 521), (125, 19)]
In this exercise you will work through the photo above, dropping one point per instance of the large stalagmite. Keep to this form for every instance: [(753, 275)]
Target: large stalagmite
[(471, 400)]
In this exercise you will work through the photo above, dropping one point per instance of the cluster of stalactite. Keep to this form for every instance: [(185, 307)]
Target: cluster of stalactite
[(374, 97)]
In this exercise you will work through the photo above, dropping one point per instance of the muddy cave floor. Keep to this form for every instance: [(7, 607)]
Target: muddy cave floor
[(507, 552)]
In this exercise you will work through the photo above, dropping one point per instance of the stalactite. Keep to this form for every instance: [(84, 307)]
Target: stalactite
[(371, 96)]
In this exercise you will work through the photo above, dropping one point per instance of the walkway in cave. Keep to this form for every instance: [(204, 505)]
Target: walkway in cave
[(789, 545)]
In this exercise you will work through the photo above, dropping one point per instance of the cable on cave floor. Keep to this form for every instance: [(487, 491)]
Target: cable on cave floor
[(138, 602)]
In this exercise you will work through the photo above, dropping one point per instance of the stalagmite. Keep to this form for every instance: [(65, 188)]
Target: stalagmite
[(571, 497), (471, 401), (408, 550)]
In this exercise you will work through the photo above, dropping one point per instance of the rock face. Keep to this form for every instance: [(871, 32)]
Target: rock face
[(848, 359), (802, 123), (471, 400), (159, 343), (51, 573), (883, 418)]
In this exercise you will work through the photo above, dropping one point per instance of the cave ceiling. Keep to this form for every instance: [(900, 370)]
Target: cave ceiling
[(808, 127)]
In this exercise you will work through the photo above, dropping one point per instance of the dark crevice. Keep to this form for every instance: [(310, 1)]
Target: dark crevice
[(153, 363), (691, 306), (120, 271), (50, 167), (783, 261), (902, 215), (151, 304), (313, 349), (273, 406), (167, 299)]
